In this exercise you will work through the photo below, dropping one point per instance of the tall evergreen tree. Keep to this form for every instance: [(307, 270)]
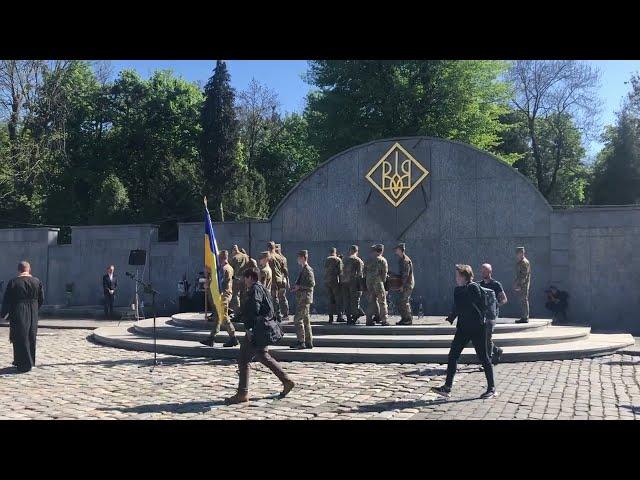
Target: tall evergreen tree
[(219, 138)]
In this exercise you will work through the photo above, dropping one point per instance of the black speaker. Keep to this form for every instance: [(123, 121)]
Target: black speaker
[(137, 257)]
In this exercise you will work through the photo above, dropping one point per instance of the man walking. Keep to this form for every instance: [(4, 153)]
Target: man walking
[(266, 276), (23, 297), (489, 282), (408, 283), (304, 298), (352, 270), (109, 287), (521, 284), (375, 273), (225, 294), (258, 307), (238, 262), (332, 274)]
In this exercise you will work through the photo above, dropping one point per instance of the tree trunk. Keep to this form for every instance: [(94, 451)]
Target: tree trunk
[(221, 212), (536, 154)]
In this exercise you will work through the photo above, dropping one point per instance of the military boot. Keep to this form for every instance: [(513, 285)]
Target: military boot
[(330, 318), (232, 342), (239, 397), (405, 321), (341, 319), (370, 321), (351, 320)]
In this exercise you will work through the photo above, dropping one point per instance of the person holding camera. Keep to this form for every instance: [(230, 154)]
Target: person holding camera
[(260, 326), (468, 309), (557, 302)]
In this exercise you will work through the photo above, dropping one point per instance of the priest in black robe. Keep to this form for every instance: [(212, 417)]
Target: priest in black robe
[(23, 298)]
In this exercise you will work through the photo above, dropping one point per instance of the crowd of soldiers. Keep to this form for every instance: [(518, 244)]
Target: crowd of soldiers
[(346, 278)]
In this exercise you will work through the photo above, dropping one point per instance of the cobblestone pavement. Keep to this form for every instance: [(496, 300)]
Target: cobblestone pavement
[(76, 379)]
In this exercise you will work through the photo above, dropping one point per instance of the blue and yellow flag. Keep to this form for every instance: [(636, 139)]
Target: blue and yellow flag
[(211, 261)]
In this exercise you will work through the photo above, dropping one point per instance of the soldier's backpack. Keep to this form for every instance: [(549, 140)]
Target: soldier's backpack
[(488, 308)]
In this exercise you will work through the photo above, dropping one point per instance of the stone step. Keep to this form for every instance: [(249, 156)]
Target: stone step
[(594, 345), (165, 329), (84, 311), (424, 326)]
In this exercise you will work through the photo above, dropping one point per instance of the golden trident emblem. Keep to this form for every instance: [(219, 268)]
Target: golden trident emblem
[(396, 173)]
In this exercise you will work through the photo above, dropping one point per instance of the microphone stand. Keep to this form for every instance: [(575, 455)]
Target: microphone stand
[(148, 288)]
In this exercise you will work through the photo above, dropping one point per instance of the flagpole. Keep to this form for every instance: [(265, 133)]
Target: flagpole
[(207, 280)]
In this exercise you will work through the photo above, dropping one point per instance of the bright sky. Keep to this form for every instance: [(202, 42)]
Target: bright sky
[(286, 78)]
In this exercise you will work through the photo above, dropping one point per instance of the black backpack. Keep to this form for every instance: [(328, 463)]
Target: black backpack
[(488, 308)]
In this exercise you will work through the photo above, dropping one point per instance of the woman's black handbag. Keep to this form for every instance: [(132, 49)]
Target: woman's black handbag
[(266, 331)]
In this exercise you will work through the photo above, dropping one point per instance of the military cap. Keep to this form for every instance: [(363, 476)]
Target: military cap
[(223, 253), (303, 253), (401, 246), (265, 254), (354, 248), (378, 247), (333, 250), (520, 250)]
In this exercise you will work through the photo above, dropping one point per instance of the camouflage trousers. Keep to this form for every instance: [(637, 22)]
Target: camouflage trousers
[(524, 301), (404, 305), (225, 323), (377, 302), (236, 297), (302, 321), (279, 297), (351, 298), (335, 298)]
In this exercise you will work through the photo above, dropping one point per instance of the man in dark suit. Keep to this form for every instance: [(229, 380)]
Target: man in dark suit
[(109, 286)]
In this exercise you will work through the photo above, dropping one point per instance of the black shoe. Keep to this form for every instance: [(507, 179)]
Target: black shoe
[(490, 393), (232, 342), (209, 342), (341, 319), (523, 320), (351, 320), (442, 390), (298, 346), (384, 323), (497, 355), (308, 345), (405, 321), (370, 323)]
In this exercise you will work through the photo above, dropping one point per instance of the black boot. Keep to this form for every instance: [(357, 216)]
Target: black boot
[(351, 320), (232, 342), (523, 320), (330, 318), (341, 319)]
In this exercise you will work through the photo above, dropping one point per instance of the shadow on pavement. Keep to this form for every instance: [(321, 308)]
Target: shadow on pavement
[(385, 406), (634, 408), (183, 407), (425, 372), (621, 362), (147, 362)]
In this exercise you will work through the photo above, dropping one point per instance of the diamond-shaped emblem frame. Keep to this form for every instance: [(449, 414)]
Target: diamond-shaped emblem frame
[(405, 191)]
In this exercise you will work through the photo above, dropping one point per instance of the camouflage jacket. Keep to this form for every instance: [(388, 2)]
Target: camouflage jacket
[(523, 273), (266, 276), (352, 269), (306, 281), (406, 272), (278, 268), (239, 262), (227, 280), (332, 270), (375, 271)]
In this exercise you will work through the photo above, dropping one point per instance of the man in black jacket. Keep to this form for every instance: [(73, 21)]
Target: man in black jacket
[(256, 307), (467, 308), (109, 286)]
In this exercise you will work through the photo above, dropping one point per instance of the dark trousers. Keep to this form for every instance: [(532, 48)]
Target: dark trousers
[(23, 336), (478, 337), (248, 352), (491, 347), (108, 305)]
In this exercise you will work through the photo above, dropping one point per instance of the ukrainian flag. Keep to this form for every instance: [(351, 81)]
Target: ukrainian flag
[(211, 261)]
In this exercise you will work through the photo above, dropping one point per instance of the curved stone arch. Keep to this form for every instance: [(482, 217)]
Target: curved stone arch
[(493, 157)]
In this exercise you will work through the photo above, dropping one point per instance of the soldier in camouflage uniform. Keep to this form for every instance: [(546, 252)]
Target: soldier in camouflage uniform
[(332, 273), (266, 276), (375, 274), (278, 266), (238, 262), (225, 293), (408, 283), (352, 268), (304, 298), (521, 284)]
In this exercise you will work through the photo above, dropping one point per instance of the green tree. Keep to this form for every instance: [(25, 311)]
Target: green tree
[(285, 157), (112, 203), (219, 138), (360, 100)]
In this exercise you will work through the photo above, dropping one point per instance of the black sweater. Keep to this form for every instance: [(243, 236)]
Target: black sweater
[(465, 301)]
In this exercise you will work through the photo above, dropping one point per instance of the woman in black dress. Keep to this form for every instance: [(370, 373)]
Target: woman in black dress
[(22, 300)]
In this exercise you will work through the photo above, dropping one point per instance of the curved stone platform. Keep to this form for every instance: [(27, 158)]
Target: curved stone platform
[(427, 342)]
